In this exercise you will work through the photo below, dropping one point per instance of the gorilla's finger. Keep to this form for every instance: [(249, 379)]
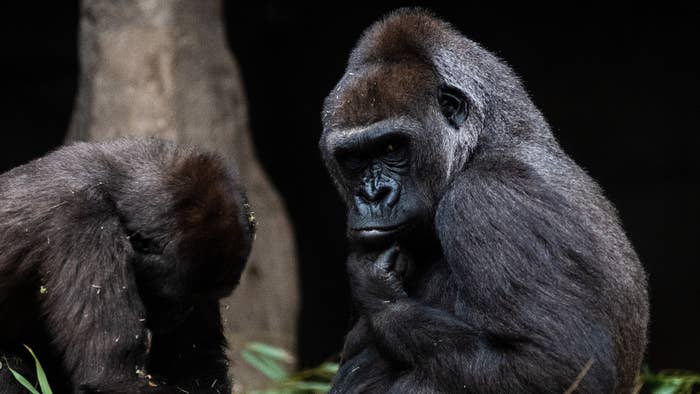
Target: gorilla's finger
[(387, 259)]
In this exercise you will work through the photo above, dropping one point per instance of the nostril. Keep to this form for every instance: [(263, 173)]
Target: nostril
[(367, 193), (381, 192), (373, 194), (393, 196)]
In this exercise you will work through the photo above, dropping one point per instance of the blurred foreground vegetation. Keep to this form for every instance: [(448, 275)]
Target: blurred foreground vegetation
[(275, 364)]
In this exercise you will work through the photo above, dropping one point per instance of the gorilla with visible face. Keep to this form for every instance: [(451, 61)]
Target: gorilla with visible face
[(484, 260), (113, 258)]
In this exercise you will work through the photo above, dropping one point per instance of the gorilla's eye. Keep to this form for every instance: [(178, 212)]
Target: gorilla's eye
[(453, 105), (143, 245), (394, 152), (352, 163)]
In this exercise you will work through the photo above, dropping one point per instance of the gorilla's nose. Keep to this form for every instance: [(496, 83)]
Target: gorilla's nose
[(383, 191)]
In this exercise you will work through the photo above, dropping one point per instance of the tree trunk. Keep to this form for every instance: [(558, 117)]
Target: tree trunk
[(162, 68)]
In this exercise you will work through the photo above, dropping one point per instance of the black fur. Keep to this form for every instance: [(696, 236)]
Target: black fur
[(113, 257), (484, 260)]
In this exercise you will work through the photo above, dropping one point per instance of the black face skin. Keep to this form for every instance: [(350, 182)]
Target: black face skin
[(115, 256), (385, 203), (483, 260)]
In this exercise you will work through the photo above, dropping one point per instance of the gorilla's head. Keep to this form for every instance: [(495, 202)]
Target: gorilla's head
[(188, 222), (415, 104)]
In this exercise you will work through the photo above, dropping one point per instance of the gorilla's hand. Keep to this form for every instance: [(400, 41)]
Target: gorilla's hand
[(377, 281)]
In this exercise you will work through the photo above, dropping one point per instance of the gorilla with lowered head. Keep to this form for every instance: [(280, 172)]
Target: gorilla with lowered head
[(484, 260), (113, 258)]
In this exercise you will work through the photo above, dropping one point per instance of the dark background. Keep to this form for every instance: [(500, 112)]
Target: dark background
[(619, 87)]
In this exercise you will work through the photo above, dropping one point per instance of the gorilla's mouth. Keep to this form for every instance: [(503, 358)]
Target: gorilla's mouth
[(378, 233)]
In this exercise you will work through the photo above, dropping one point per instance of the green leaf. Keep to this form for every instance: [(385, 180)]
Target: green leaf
[(269, 360), (327, 369), (670, 382), (666, 388), (266, 366), (317, 387), (270, 352), (41, 376), (22, 380)]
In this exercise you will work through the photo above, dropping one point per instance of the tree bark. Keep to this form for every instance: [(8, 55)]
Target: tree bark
[(162, 68)]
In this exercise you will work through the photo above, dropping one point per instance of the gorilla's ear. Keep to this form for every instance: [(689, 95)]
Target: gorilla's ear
[(143, 245), (454, 105)]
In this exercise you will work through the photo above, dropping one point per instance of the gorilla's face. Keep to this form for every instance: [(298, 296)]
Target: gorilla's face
[(389, 149), (377, 168)]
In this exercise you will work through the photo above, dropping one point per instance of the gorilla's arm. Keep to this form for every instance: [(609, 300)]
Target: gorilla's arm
[(511, 241), (63, 243), (95, 317), (413, 335)]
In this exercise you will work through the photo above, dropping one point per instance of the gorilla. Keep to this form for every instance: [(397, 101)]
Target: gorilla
[(483, 259), (113, 258)]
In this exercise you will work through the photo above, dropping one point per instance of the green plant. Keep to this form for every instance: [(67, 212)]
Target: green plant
[(670, 382), (41, 377), (271, 362), (275, 362)]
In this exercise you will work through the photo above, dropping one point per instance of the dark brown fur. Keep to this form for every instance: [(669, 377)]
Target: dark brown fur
[(114, 256)]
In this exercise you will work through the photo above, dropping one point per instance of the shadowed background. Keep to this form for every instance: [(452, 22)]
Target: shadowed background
[(619, 87)]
